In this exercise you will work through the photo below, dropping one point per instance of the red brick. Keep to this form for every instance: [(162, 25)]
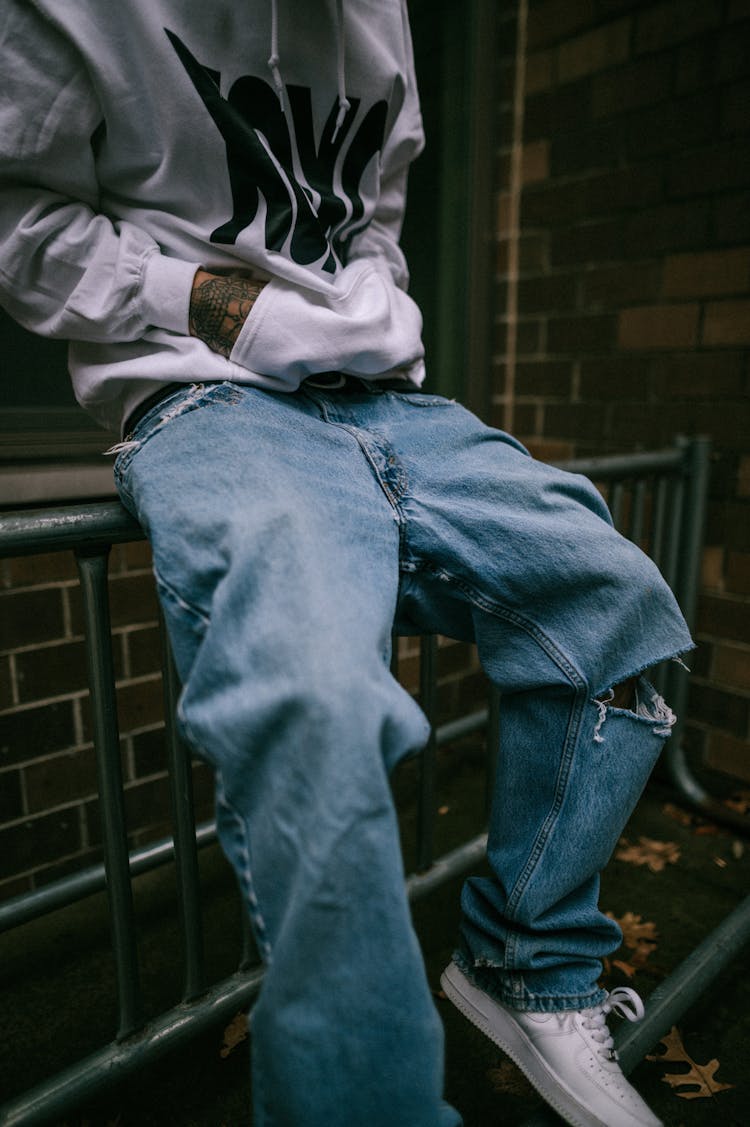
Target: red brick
[(662, 25), (593, 333), (709, 273), (28, 733), (602, 144), (577, 421), (732, 56), (711, 168), (547, 293), (712, 567), (615, 378), (540, 71), (738, 573), (727, 322), (528, 336), (60, 780), (35, 841), (696, 375), (612, 286), (590, 242), (555, 19), (743, 476), (535, 162), (595, 50), (547, 378), (731, 666), (732, 218), (728, 754), (33, 571), (738, 10), (555, 112), (11, 798), (149, 752), (6, 687), (694, 63), (720, 709), (145, 650), (51, 671), (725, 618), (140, 704), (728, 522), (548, 450), (30, 616), (626, 88), (668, 228), (734, 109), (658, 326), (132, 599)]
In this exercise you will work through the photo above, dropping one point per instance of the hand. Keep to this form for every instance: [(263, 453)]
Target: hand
[(219, 306)]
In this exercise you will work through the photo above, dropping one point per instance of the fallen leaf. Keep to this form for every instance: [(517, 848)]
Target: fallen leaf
[(639, 937), (700, 1078), (739, 802), (443, 809), (234, 1034), (508, 1078), (677, 814), (738, 849), (655, 854), (627, 969), (720, 862)]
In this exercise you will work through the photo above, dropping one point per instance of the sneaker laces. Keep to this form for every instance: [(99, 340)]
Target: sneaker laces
[(625, 1003)]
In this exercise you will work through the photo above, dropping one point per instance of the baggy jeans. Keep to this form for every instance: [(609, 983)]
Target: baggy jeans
[(290, 532)]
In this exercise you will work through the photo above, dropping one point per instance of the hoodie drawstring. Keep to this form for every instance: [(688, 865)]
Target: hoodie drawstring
[(344, 103), (274, 63), (273, 60)]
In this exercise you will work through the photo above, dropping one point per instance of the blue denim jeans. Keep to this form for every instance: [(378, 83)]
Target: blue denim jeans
[(290, 533)]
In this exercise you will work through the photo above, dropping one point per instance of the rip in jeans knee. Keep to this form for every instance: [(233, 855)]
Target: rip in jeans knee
[(647, 705)]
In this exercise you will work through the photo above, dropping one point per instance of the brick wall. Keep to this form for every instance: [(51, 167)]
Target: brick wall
[(623, 292), (49, 822)]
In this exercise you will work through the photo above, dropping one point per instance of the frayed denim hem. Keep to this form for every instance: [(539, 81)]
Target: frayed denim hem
[(509, 989)]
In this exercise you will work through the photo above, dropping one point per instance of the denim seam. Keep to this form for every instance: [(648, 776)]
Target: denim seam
[(243, 847), (571, 737), (506, 613), (182, 602)]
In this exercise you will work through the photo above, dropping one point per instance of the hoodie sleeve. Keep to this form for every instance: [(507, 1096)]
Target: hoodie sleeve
[(66, 270)]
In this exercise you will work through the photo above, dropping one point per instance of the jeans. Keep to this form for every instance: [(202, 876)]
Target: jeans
[(290, 532)]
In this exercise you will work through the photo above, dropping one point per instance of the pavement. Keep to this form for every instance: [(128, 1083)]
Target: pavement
[(678, 878)]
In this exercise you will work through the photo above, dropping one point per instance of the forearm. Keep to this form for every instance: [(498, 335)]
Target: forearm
[(219, 307)]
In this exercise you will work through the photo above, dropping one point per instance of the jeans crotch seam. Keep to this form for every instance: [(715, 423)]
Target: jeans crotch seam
[(507, 614)]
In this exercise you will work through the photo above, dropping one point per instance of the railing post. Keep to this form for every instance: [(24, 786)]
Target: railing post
[(92, 568)]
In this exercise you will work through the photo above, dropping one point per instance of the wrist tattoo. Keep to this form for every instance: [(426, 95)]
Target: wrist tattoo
[(219, 307)]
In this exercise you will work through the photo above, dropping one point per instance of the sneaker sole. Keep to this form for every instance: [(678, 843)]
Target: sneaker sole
[(492, 1020)]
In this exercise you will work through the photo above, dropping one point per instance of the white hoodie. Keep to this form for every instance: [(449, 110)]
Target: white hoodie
[(143, 139)]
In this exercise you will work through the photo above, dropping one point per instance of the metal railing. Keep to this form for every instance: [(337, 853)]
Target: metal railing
[(658, 499)]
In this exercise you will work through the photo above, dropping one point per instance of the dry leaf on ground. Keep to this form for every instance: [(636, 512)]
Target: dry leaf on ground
[(234, 1034), (689, 819), (699, 1079), (655, 854), (639, 937), (508, 1078), (739, 802)]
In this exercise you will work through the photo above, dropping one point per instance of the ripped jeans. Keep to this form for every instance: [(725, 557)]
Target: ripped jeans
[(290, 532)]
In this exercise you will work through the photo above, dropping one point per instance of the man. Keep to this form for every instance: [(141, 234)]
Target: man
[(206, 200)]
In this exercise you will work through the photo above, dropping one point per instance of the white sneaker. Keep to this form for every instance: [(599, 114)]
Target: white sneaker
[(568, 1056)]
